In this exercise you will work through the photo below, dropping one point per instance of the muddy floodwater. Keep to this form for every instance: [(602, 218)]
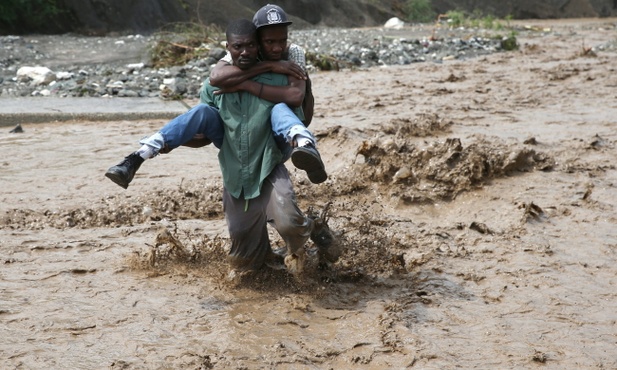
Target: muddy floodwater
[(475, 202)]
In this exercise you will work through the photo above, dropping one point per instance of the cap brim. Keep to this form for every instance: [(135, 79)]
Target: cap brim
[(275, 24)]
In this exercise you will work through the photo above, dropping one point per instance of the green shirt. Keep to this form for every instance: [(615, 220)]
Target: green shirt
[(249, 152)]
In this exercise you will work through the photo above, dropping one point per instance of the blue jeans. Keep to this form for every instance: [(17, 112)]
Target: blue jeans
[(204, 120), (286, 125)]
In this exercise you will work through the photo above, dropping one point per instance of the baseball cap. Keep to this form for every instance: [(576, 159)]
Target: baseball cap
[(270, 15)]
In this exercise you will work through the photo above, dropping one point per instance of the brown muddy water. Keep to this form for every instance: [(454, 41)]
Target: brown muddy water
[(475, 202)]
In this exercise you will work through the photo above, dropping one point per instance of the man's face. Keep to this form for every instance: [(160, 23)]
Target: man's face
[(243, 50), (273, 42)]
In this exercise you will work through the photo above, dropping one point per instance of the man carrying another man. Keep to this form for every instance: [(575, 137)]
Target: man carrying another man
[(202, 122), (257, 189)]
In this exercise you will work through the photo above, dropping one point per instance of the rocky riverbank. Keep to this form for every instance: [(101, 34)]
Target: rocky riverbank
[(77, 66)]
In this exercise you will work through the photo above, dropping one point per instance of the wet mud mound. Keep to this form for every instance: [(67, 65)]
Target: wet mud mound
[(394, 162), (192, 200), (441, 170)]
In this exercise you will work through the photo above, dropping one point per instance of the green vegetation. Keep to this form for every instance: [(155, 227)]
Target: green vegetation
[(419, 11), (456, 19), (509, 43), (476, 20), (30, 14), (179, 43), (422, 11), (326, 62)]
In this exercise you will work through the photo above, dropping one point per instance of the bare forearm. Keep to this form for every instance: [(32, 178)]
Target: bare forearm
[(289, 95), (227, 75)]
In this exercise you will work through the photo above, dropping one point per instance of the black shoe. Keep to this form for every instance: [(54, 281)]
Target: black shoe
[(123, 173), (307, 158)]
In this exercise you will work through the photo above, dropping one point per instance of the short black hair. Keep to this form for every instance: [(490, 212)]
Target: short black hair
[(240, 27)]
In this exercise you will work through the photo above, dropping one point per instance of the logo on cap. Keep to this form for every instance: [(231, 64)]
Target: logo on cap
[(273, 16), (270, 15)]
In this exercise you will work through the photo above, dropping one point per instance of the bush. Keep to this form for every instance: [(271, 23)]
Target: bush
[(456, 18), (476, 20), (179, 43), (509, 43), (419, 11), (37, 15)]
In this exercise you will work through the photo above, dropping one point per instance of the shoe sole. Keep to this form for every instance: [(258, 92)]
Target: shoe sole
[(117, 179), (307, 161)]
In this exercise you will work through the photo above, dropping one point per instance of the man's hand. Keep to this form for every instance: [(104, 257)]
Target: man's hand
[(286, 67), (227, 75), (291, 94)]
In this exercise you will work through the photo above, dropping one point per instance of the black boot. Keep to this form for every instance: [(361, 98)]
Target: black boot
[(123, 173), (307, 158)]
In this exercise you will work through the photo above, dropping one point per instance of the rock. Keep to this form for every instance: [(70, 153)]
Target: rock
[(110, 68), (394, 23), (17, 129), (217, 53), (38, 75)]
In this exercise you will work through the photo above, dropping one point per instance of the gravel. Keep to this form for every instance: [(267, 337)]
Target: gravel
[(78, 66)]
